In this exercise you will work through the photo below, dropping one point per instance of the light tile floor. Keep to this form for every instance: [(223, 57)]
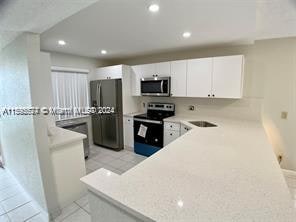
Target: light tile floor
[(117, 162), (16, 206)]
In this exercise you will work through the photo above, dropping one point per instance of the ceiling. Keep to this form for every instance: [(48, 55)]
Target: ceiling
[(17, 16), (126, 27), (275, 19)]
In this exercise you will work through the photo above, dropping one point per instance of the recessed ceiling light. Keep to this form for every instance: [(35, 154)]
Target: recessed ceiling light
[(186, 34), (103, 51), (62, 42), (154, 8), (180, 203)]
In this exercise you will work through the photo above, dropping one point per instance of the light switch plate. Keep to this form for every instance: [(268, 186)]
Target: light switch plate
[(284, 115)]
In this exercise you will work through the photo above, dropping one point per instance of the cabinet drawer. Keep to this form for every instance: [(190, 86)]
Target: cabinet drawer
[(170, 136), (172, 126), (128, 120)]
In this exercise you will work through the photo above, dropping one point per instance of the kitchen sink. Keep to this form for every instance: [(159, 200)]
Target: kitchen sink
[(203, 124)]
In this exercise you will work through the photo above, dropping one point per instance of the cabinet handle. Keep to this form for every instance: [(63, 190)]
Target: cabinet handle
[(213, 95), (171, 126), (209, 95), (171, 134)]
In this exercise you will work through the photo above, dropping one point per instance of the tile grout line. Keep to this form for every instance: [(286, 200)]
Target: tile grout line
[(18, 207), (69, 214), (32, 216), (9, 197), (84, 209)]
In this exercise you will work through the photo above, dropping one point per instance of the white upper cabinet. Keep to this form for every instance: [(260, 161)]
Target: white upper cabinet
[(218, 77), (163, 69), (199, 77), (109, 72), (227, 77), (136, 78), (147, 70), (178, 78)]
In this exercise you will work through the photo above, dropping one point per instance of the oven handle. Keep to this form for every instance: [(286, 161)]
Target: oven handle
[(161, 86), (148, 121)]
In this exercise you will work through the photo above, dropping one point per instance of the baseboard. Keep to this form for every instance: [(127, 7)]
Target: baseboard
[(289, 173), (129, 148)]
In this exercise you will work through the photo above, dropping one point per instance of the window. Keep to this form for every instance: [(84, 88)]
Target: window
[(70, 90)]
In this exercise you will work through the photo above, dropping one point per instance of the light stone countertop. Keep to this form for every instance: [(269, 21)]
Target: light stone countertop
[(60, 137), (227, 173), (132, 114)]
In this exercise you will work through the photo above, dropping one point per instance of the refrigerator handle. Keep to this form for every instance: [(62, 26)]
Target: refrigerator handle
[(100, 93), (97, 89)]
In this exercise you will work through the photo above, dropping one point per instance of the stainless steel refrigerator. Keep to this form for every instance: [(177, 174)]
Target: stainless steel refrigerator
[(107, 128)]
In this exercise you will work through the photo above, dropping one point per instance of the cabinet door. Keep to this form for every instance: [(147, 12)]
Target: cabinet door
[(170, 136), (178, 78), (128, 132), (163, 69), (227, 77), (109, 72), (147, 70), (136, 80), (199, 77)]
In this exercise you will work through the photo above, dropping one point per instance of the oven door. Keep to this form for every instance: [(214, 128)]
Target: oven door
[(155, 86), (150, 140)]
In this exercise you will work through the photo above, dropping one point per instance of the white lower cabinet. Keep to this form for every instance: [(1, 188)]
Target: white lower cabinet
[(184, 129), (128, 132), (170, 136), (171, 131)]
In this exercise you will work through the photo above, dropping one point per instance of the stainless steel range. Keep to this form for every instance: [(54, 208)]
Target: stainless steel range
[(148, 128)]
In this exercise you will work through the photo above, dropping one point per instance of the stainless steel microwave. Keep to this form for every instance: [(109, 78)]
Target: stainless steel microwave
[(157, 86)]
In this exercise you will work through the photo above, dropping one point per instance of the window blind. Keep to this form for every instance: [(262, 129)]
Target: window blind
[(70, 90)]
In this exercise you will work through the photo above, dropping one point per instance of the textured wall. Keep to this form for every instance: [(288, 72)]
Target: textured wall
[(18, 133)]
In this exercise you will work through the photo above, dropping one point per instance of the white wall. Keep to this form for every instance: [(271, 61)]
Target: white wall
[(24, 138), (276, 60), (80, 62)]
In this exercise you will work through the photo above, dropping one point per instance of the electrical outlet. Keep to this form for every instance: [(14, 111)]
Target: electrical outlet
[(284, 115), (191, 108)]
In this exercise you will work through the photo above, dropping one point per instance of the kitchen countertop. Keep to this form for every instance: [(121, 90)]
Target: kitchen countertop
[(60, 137), (132, 114), (225, 173)]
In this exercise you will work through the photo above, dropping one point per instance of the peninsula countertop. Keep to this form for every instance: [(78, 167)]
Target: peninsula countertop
[(224, 173), (59, 137)]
